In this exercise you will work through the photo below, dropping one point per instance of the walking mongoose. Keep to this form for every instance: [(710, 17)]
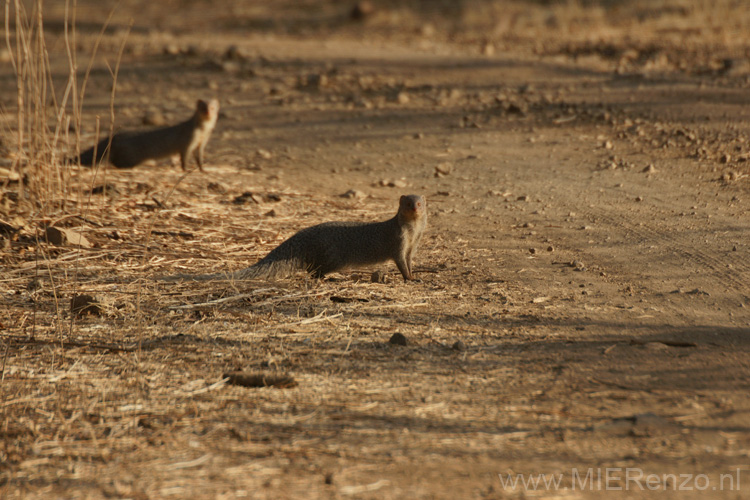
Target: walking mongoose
[(128, 149), (333, 246)]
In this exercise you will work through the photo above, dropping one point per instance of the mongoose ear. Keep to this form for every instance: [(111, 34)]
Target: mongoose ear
[(402, 200), (202, 106)]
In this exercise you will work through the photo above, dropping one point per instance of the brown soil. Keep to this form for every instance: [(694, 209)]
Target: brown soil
[(585, 278)]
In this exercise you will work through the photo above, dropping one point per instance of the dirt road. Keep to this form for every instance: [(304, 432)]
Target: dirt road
[(583, 303)]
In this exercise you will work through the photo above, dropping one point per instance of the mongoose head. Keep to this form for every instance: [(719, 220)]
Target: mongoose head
[(412, 206), (208, 111)]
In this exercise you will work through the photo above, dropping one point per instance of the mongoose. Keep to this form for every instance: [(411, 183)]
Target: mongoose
[(128, 149), (333, 246)]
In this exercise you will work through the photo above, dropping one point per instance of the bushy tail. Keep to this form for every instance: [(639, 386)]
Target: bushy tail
[(87, 158), (263, 269)]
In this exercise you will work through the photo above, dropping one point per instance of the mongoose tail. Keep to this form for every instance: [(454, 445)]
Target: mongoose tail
[(334, 246), (188, 138)]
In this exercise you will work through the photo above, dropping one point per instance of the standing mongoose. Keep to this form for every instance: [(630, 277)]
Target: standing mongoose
[(333, 246), (128, 149)]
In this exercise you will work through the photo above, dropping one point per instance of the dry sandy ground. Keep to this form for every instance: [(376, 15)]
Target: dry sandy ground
[(585, 278)]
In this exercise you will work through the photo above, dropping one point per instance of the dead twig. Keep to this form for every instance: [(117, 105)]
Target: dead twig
[(70, 344)]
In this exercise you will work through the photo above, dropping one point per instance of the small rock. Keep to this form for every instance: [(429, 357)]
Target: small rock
[(639, 198), (234, 53), (6, 230), (400, 183), (106, 189), (608, 145), (362, 10), (578, 265), (650, 169), (314, 80), (154, 118), (523, 198), (217, 187), (245, 197), (84, 304), (532, 251), (443, 169), (515, 109), (427, 30), (458, 346), (265, 154), (550, 248), (354, 194), (231, 67), (377, 277), (172, 49), (403, 98), (7, 174), (656, 346), (54, 236), (725, 158), (729, 176), (34, 285), (397, 339)]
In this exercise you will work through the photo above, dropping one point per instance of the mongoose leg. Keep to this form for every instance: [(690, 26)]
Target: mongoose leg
[(198, 153), (404, 268)]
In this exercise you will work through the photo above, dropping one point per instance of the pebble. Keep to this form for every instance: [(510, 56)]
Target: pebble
[(171, 49), (354, 194), (443, 169), (362, 10), (54, 236), (397, 339), (84, 304), (730, 175), (578, 265), (377, 277), (154, 118), (265, 154)]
